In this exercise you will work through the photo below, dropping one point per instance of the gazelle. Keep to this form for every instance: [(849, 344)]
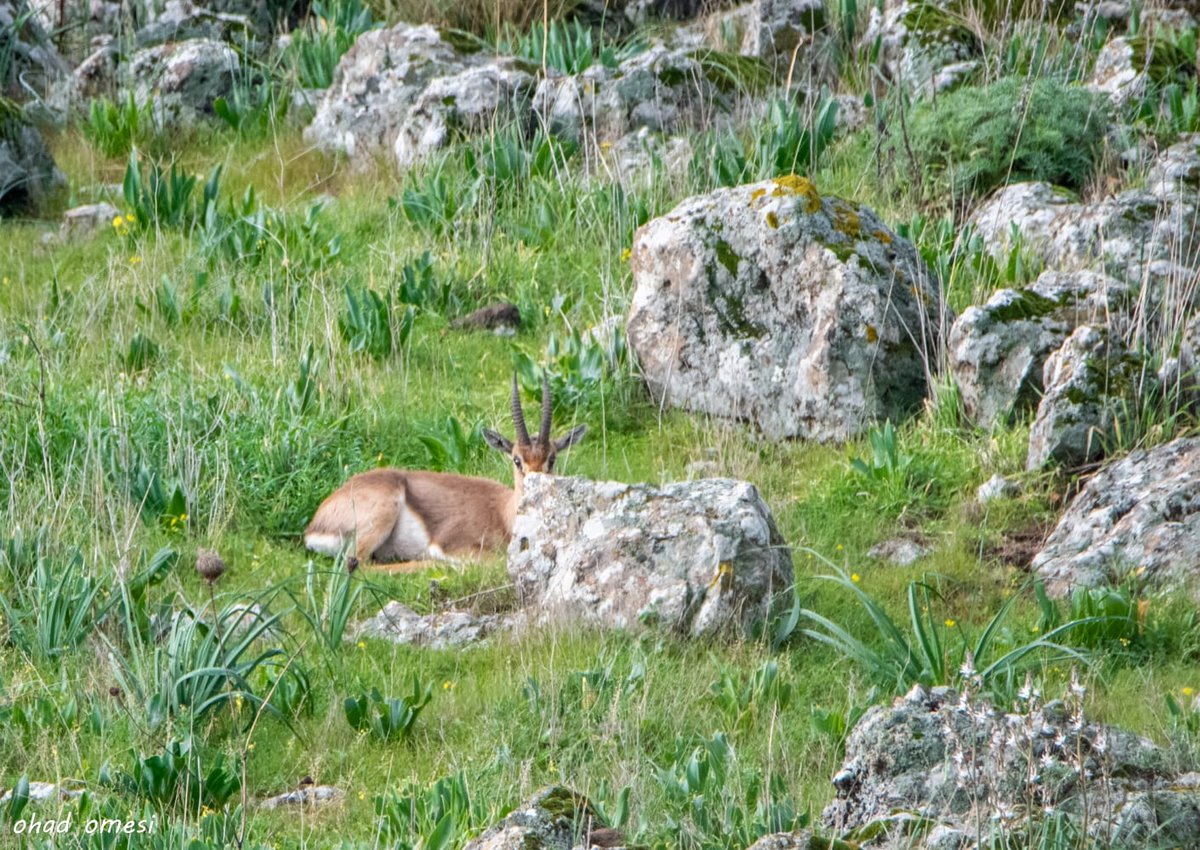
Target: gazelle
[(397, 515)]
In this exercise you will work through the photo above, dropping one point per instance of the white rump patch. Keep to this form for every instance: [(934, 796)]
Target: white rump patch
[(329, 545)]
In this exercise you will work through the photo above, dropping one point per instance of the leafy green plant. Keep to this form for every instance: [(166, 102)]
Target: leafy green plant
[(580, 368), (974, 139), (316, 48), (834, 725), (177, 775), (388, 718), (744, 700), (569, 47), (253, 109), (934, 651), (165, 198), (422, 287), (114, 128), (451, 446), (430, 818), (141, 353), (434, 201), (55, 609), (367, 324), (887, 463), (331, 597)]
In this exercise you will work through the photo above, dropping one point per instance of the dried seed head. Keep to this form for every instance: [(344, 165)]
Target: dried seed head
[(114, 692), (209, 565)]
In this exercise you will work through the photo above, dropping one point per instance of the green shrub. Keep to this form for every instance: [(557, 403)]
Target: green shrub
[(977, 138), (316, 49), (114, 128), (388, 718)]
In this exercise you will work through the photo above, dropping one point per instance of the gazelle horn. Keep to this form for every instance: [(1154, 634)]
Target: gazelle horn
[(547, 410), (519, 415)]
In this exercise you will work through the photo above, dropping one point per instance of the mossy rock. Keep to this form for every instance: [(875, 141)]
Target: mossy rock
[(731, 72)]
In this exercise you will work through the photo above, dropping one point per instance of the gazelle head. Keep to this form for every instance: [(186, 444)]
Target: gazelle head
[(532, 455)]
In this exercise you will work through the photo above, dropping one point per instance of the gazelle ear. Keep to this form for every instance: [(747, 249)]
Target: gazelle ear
[(497, 441), (570, 438)]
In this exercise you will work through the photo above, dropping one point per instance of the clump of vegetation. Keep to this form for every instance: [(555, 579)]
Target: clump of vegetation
[(976, 138)]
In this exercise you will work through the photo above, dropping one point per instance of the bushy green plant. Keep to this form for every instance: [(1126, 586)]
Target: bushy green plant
[(434, 200), (253, 108), (330, 599), (388, 718), (57, 607), (177, 775), (165, 198), (430, 818), (744, 700), (971, 140), (113, 128), (452, 445), (316, 48), (580, 368), (568, 46)]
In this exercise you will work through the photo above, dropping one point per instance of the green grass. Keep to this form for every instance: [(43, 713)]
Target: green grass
[(247, 401)]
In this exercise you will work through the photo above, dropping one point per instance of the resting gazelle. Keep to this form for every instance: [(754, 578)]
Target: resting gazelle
[(396, 515)]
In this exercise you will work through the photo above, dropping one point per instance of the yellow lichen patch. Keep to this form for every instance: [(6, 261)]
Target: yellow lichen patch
[(846, 220), (872, 334), (792, 184), (772, 220), (883, 236), (757, 193)]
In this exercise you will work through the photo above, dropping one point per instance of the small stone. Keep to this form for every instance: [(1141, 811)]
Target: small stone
[(41, 792), (400, 624), (997, 487), (306, 795), (86, 221), (900, 552)]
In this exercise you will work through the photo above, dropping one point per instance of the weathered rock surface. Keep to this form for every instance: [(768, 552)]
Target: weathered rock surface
[(376, 83), (1141, 513), (780, 28), (1091, 385), (923, 46), (555, 818), (996, 487), (86, 221), (42, 792), (700, 558), (1116, 75), (900, 552), (182, 79), (400, 624), (959, 762), (998, 351), (802, 314), (470, 102), (31, 54), (27, 171)]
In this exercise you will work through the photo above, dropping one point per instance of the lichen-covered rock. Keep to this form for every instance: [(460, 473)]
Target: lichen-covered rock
[(470, 102), (958, 761), (1176, 171), (183, 20), (998, 351), (376, 83), (899, 551), (27, 170), (699, 558), (1091, 383), (803, 839), (996, 487), (1141, 513), (778, 28), (86, 221), (307, 795), (923, 45), (400, 624), (662, 89), (182, 79), (555, 818), (1115, 74), (768, 302)]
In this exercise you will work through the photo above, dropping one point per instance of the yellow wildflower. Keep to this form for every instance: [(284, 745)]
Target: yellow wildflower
[(950, 623), (135, 259), (626, 254), (1187, 692), (855, 577)]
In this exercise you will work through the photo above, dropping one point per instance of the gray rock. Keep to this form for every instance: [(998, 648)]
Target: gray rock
[(182, 79), (42, 792), (400, 624), (31, 54), (86, 221), (308, 795), (778, 28), (956, 760), (182, 20), (699, 558), (899, 552), (27, 171), (554, 819), (996, 487), (1091, 383), (470, 102), (923, 45), (1142, 512), (1176, 171), (1115, 74), (998, 351), (767, 302), (800, 840), (376, 84)]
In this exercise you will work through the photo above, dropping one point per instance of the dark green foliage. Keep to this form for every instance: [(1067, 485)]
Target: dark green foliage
[(388, 718), (177, 775), (113, 128), (977, 138)]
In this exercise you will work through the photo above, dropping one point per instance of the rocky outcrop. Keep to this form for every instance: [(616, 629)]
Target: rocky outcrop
[(924, 45), (1091, 384), (769, 302), (400, 624), (27, 171), (1141, 513), (555, 818), (376, 83), (31, 56), (182, 79), (998, 351), (698, 558), (958, 762)]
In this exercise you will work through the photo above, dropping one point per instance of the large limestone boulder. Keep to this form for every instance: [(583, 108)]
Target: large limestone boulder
[(1117, 74), (800, 313), (555, 818), (699, 558), (1139, 514), (1091, 385), (182, 79), (958, 762), (924, 45), (470, 102), (998, 350), (376, 84)]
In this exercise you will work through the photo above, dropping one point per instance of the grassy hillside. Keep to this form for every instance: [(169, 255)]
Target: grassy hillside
[(202, 377)]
